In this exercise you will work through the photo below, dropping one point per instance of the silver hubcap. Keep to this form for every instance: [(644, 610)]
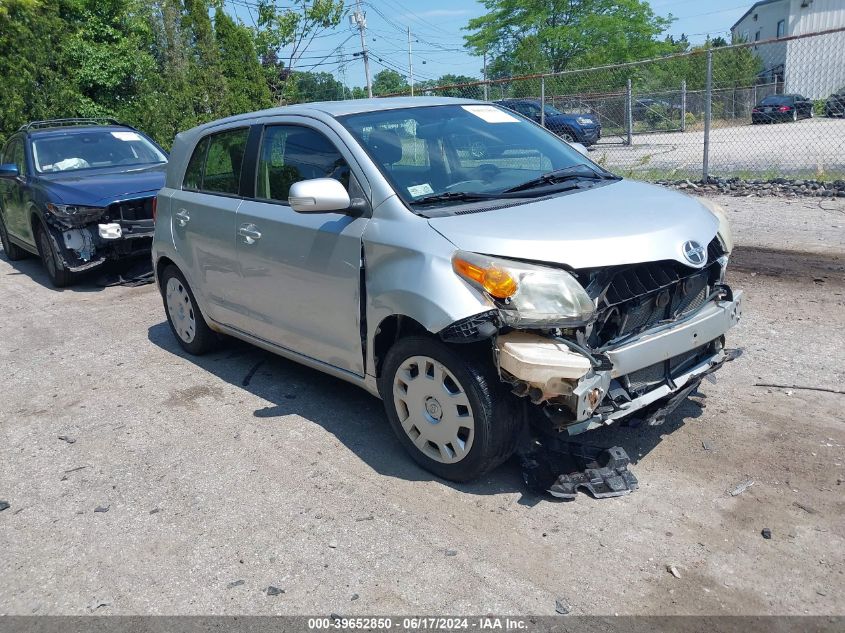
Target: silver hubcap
[(181, 310), (433, 409), (568, 137)]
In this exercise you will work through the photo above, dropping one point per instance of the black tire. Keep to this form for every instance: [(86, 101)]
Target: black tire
[(13, 251), (496, 413), (59, 276), (203, 339), (568, 136)]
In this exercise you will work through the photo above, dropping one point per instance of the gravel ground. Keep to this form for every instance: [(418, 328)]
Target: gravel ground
[(802, 147), (217, 486)]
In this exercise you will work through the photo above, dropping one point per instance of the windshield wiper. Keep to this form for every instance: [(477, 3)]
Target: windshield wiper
[(455, 196), (573, 172)]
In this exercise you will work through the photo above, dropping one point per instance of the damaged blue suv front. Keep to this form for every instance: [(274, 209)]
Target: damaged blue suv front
[(77, 193)]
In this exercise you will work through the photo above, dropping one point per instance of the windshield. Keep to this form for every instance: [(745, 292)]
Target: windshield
[(460, 149), (550, 109), (90, 149), (776, 100)]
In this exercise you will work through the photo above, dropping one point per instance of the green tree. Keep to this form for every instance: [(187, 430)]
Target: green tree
[(388, 82), (292, 29), (525, 36), (246, 87), (205, 70), (32, 84), (317, 87)]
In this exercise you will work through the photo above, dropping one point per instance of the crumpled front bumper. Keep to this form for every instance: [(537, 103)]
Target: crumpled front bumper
[(549, 372)]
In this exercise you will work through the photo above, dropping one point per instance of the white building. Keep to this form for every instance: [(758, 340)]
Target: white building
[(813, 67)]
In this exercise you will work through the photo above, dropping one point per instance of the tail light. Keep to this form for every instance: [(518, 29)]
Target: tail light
[(155, 207), (784, 108)]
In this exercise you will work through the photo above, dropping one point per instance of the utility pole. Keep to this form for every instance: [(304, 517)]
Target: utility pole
[(485, 75), (410, 62), (361, 22)]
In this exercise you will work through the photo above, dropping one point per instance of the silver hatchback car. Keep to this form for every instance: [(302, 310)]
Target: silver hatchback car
[(460, 262)]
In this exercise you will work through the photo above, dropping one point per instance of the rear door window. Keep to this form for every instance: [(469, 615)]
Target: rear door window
[(216, 164)]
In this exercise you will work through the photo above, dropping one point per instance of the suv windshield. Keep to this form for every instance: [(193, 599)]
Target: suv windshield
[(90, 149), (472, 151)]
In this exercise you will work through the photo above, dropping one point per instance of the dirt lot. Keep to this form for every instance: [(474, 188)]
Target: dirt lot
[(240, 466), (803, 147)]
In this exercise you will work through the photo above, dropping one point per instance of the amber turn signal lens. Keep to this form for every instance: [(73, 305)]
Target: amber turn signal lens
[(496, 281)]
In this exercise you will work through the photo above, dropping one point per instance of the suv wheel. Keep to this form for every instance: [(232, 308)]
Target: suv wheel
[(183, 314), (449, 411), (56, 271), (13, 252), (567, 136)]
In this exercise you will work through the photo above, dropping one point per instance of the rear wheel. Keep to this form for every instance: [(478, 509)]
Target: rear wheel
[(13, 252), (56, 271), (794, 115), (183, 314), (449, 410)]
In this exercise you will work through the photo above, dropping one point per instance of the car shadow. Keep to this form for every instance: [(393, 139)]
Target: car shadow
[(357, 419), (88, 281)]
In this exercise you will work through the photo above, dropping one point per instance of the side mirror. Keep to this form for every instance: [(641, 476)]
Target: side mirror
[(578, 147), (318, 195), (9, 170)]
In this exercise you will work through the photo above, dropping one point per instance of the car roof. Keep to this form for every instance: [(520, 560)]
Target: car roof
[(350, 106), (74, 129)]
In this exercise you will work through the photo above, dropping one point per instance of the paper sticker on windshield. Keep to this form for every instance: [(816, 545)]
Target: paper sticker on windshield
[(126, 136), (490, 114), (420, 190)]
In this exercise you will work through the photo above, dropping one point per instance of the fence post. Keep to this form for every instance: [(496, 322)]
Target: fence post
[(708, 99), (684, 105), (543, 101), (629, 113)]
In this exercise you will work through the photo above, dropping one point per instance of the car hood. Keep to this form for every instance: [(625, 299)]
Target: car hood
[(102, 187), (560, 119), (624, 222)]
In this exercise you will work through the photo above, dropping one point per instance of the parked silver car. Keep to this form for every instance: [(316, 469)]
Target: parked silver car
[(469, 290)]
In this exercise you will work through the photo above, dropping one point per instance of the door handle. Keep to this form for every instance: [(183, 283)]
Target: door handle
[(182, 217), (250, 233)]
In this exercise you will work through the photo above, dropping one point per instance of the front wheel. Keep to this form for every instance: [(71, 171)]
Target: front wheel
[(567, 136), (56, 271), (448, 409)]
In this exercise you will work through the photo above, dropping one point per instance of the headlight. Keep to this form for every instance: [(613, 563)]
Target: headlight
[(582, 120), (724, 226), (74, 210), (527, 295)]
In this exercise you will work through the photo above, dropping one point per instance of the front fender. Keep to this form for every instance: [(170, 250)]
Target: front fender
[(408, 272)]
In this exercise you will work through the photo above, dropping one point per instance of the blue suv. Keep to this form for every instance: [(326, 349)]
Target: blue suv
[(78, 192), (573, 128)]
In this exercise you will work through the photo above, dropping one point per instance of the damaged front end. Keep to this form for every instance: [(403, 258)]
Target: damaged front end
[(651, 332), (86, 236), (657, 330)]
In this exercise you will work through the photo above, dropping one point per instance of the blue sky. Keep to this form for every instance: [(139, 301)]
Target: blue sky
[(437, 39)]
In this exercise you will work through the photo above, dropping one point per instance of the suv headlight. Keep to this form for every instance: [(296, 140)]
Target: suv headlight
[(582, 120), (527, 295), (74, 210), (724, 226)]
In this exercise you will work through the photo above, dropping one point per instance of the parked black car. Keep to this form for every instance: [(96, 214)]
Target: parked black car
[(835, 104), (577, 128), (78, 192), (776, 108)]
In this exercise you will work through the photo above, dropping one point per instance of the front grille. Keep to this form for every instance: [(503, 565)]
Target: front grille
[(132, 210), (632, 299), (642, 379)]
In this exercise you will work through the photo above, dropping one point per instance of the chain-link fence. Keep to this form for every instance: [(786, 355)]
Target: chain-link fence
[(765, 109)]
